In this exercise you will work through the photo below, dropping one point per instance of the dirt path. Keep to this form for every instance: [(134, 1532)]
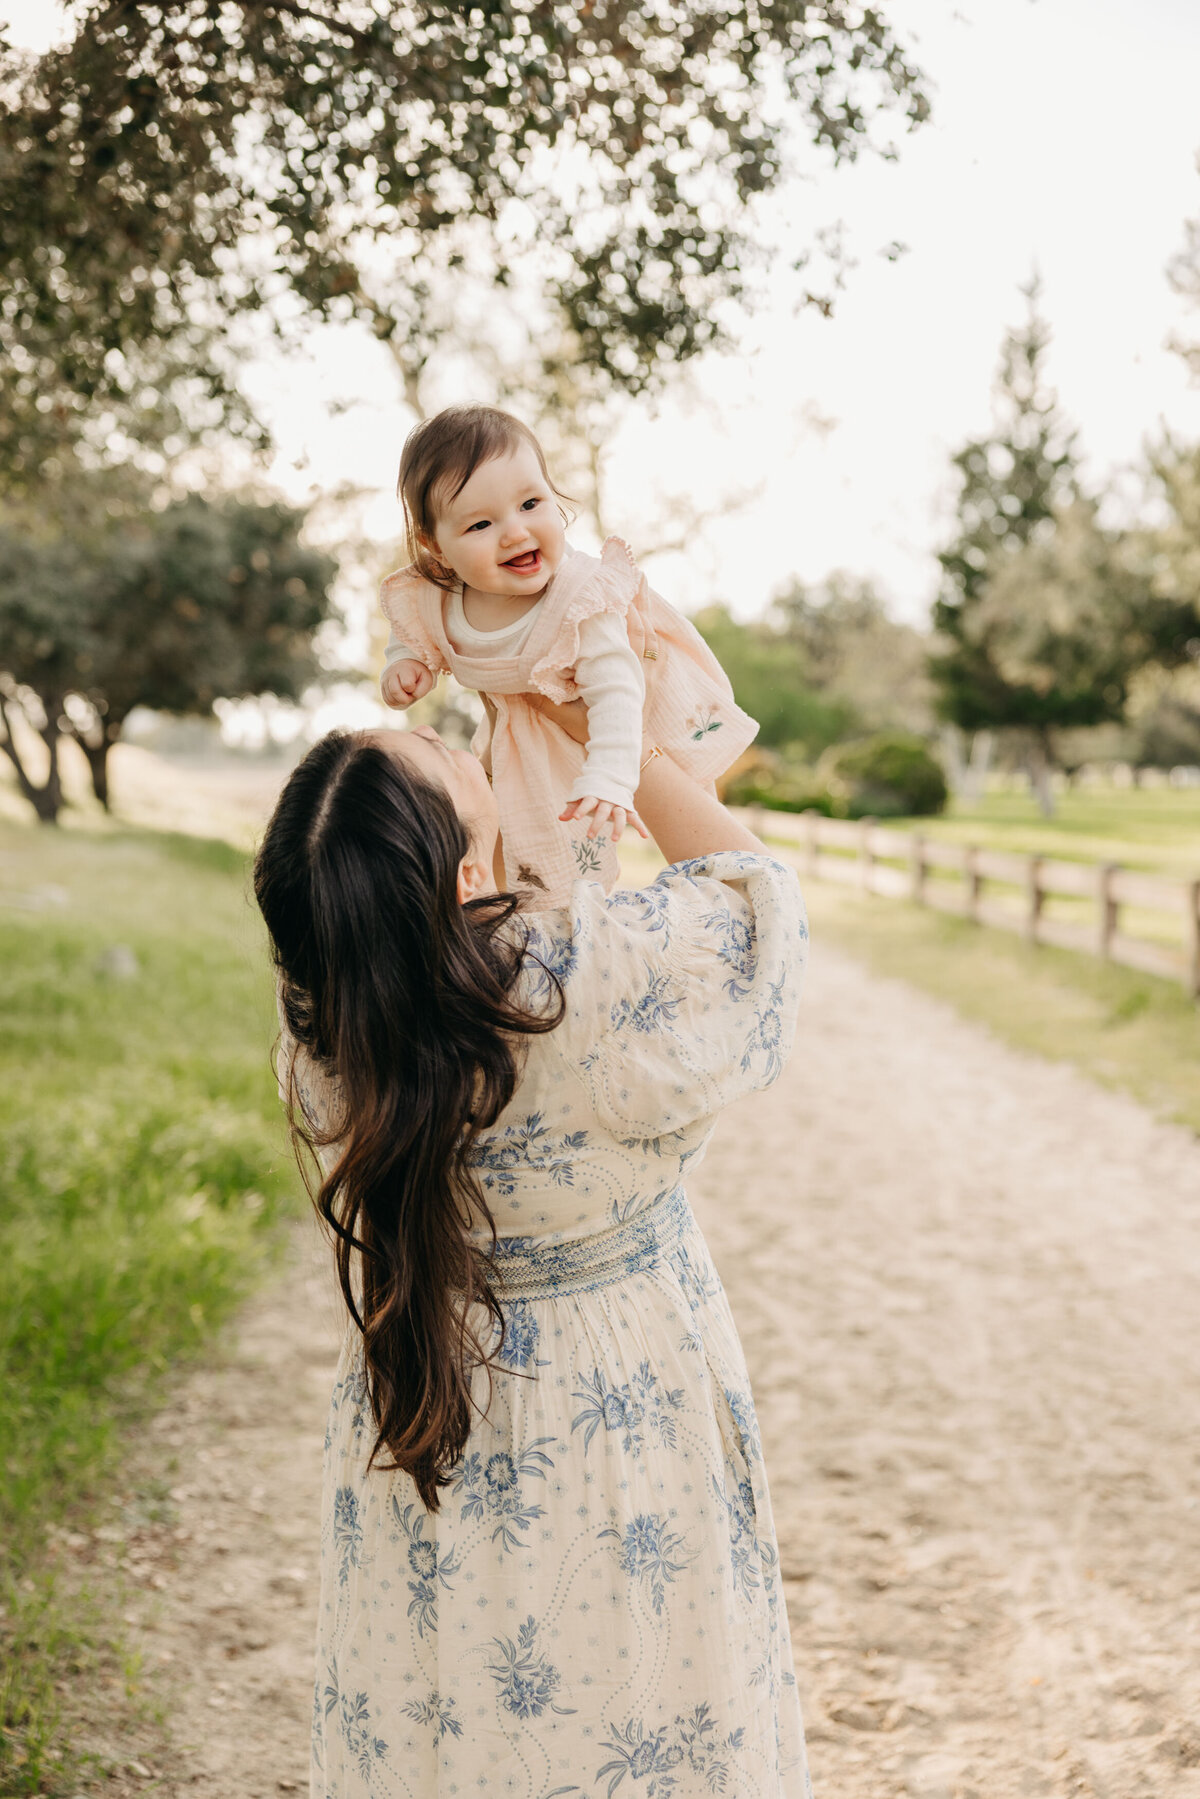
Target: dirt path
[(967, 1284)]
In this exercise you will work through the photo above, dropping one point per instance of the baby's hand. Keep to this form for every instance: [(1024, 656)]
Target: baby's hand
[(603, 812), (404, 683)]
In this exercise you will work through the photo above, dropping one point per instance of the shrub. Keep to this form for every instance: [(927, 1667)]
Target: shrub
[(761, 778), (887, 776), (750, 795)]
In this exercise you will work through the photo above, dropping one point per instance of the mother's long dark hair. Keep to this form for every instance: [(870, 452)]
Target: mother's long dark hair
[(403, 997)]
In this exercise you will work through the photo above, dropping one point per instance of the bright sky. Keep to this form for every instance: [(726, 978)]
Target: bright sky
[(1064, 135)]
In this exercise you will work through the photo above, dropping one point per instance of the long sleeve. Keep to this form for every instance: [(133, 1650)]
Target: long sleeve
[(609, 677), (696, 983), (399, 651), (401, 596)]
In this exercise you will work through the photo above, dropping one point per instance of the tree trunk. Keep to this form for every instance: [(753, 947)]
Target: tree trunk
[(47, 799), (951, 741), (1041, 761), (97, 761), (975, 782), (96, 752)]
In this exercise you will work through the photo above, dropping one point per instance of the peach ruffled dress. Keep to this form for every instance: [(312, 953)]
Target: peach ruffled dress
[(533, 763)]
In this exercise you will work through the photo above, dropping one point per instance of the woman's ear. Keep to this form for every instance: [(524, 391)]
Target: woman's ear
[(474, 877)]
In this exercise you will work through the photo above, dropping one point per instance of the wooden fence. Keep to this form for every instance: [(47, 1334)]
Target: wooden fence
[(963, 878)]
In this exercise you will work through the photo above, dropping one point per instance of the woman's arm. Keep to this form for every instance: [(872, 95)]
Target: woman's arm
[(682, 817)]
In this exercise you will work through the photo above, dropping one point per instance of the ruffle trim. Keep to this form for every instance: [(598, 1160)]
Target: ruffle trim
[(400, 602), (612, 587)]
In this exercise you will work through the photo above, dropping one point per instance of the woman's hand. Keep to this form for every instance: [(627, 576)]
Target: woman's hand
[(569, 715)]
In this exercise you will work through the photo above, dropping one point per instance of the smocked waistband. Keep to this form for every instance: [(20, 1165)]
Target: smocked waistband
[(524, 1268)]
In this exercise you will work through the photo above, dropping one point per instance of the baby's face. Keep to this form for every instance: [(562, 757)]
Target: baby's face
[(503, 533)]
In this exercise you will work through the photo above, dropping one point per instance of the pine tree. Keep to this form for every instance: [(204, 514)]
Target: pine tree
[(1011, 483)]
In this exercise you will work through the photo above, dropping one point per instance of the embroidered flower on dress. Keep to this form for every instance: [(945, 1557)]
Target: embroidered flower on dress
[(703, 721), (587, 853)]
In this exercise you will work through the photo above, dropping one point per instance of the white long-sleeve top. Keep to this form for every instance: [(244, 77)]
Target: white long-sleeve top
[(608, 674)]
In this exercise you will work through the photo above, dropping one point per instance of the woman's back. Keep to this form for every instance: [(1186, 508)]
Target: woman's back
[(598, 1596)]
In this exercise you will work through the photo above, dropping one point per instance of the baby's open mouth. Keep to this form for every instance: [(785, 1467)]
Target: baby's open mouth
[(526, 563)]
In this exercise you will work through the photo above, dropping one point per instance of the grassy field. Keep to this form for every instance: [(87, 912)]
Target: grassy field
[(143, 1168), (1127, 1030), (1153, 827)]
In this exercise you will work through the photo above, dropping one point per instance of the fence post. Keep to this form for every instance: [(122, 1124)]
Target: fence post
[(866, 860), (1035, 897), (917, 869), (1191, 940), (972, 878), (1108, 910), (811, 818)]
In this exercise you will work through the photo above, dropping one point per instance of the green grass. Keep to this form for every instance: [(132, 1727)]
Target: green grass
[(1153, 828), (143, 1169), (1127, 1030)]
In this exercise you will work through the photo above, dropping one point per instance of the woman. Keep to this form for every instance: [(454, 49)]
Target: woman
[(548, 1560)]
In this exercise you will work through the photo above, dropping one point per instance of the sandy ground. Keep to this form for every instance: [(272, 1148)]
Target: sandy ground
[(967, 1284)]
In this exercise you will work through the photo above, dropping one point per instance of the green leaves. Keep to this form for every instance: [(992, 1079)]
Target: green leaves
[(139, 158), (125, 606)]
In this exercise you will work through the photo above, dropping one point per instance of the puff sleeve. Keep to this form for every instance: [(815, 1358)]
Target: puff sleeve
[(402, 600), (684, 993)]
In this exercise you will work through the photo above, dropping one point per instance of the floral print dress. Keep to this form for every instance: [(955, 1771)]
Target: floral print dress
[(597, 1607)]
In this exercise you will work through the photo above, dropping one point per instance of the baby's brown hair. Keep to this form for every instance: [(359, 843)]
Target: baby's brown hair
[(439, 457)]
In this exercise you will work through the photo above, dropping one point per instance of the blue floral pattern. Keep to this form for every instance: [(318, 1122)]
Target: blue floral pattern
[(436, 1712), (427, 1570), (596, 1607), (508, 1155), (527, 1682), (690, 1748), (493, 1492), (633, 1409), (518, 1347), (650, 1553)]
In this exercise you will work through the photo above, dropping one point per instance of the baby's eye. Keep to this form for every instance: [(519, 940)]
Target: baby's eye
[(481, 524), (530, 503)]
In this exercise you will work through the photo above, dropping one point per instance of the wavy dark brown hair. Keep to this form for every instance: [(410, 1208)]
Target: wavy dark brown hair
[(404, 1000)]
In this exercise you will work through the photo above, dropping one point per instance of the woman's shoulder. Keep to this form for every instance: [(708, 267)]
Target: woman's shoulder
[(679, 995)]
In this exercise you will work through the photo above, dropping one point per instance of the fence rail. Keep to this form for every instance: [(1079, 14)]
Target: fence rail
[(961, 878)]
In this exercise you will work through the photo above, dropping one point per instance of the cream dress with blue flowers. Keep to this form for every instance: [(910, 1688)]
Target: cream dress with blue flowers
[(597, 1608)]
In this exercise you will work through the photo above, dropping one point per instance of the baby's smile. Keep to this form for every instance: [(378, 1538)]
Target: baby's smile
[(528, 562)]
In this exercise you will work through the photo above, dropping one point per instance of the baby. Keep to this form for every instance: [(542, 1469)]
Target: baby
[(496, 596)]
